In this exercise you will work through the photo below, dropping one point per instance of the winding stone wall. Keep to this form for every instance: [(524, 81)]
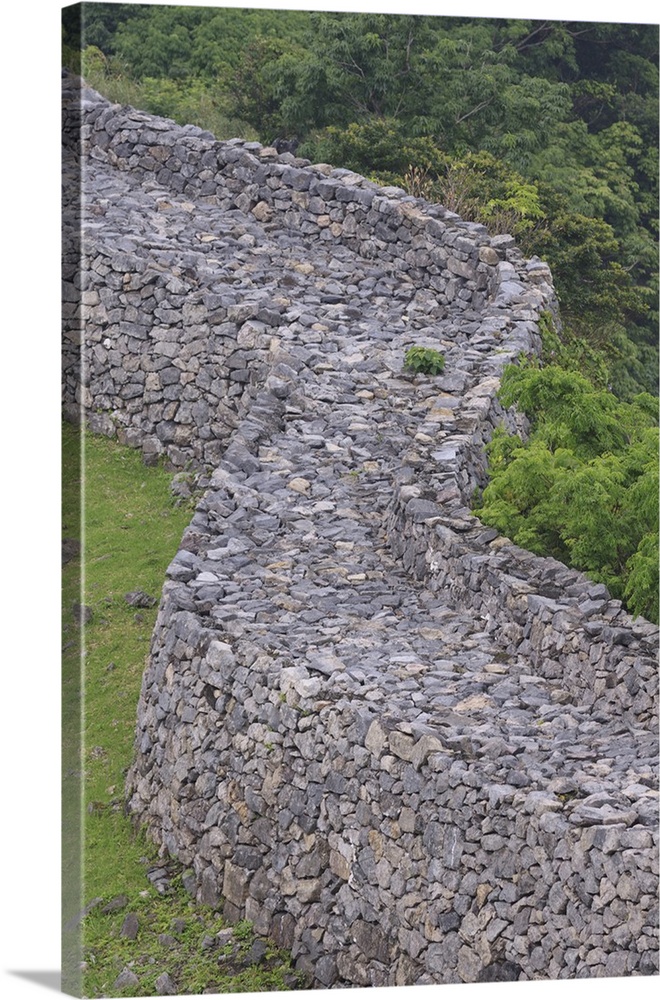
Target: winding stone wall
[(406, 749), (169, 330)]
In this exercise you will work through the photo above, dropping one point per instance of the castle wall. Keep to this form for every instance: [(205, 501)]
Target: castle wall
[(405, 748)]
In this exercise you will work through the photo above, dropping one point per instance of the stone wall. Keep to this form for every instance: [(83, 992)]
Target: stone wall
[(406, 749), (567, 626), (164, 340)]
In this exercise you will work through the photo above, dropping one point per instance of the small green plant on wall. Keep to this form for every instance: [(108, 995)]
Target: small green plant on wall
[(425, 360)]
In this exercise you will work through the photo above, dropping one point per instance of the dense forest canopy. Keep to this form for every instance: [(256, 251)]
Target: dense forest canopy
[(544, 129)]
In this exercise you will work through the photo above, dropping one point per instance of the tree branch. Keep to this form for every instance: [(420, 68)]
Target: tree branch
[(479, 107), (411, 39), (519, 46)]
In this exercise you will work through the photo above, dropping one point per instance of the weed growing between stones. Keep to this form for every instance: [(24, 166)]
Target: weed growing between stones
[(424, 360), (141, 922)]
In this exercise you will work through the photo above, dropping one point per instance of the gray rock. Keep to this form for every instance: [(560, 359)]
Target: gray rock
[(256, 953), (117, 903), (82, 614), (139, 599), (70, 550), (165, 986), (125, 980), (130, 927)]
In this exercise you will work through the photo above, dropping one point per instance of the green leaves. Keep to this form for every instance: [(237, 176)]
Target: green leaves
[(379, 147), (643, 583), (585, 487), (424, 360), (567, 411)]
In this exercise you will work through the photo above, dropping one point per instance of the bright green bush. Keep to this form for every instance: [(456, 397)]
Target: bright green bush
[(424, 360), (584, 488)]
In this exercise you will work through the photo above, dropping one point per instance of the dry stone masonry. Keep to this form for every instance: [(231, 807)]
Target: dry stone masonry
[(403, 747)]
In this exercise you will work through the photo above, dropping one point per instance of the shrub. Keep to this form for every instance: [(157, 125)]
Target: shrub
[(425, 360), (584, 488)]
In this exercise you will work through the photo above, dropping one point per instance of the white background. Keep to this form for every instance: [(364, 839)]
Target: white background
[(30, 493)]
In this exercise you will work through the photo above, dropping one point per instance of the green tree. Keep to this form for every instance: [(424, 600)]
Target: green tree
[(584, 488), (96, 24), (381, 148)]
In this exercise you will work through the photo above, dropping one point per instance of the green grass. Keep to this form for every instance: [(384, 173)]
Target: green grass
[(176, 936), (132, 528), (71, 722)]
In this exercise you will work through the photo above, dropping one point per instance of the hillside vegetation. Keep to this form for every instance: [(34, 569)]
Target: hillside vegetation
[(544, 129)]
